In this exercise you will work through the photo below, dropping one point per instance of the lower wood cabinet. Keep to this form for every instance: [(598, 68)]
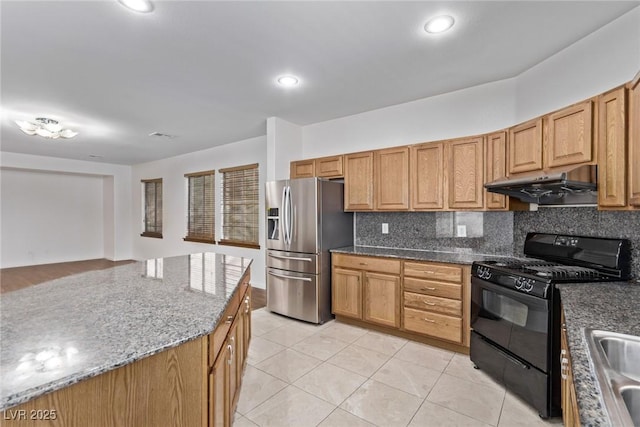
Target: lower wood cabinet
[(569, 403), (418, 300)]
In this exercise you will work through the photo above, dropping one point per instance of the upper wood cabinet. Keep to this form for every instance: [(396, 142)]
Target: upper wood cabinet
[(465, 165), (392, 179), (633, 176), (612, 185), (495, 167), (426, 171), (569, 137), (358, 182), (329, 167), (302, 169), (525, 147)]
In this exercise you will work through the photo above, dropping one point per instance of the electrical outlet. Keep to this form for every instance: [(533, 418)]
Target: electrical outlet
[(462, 231), (385, 228)]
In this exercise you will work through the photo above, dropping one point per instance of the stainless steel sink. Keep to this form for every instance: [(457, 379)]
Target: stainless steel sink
[(616, 359)]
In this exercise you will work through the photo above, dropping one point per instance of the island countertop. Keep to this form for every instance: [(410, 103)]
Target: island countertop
[(606, 306), (60, 332)]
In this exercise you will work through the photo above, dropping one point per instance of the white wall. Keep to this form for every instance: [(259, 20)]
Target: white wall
[(50, 217), (284, 144), (70, 177), (174, 195), (465, 112), (601, 61)]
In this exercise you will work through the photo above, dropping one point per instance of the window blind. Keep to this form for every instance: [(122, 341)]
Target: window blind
[(152, 207), (240, 212), (201, 210)]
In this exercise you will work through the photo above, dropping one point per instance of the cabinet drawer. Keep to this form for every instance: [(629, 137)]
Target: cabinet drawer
[(436, 304), (382, 265), (437, 289), (224, 324), (436, 325), (448, 273)]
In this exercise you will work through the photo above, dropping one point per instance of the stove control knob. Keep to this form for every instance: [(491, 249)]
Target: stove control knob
[(484, 272), (528, 285), (520, 282)]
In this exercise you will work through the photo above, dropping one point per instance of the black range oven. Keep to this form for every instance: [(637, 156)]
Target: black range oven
[(515, 310)]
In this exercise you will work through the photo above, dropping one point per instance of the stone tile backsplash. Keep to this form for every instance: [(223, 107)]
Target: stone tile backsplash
[(499, 233)]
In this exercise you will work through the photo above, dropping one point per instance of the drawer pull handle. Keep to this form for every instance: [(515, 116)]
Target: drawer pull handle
[(429, 303), (230, 359), (229, 319), (430, 272), (564, 368), (363, 263), (428, 320), (427, 289)]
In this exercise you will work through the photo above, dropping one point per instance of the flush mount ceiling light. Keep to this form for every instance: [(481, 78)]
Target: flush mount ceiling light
[(439, 24), (142, 6), (47, 128), (288, 81)]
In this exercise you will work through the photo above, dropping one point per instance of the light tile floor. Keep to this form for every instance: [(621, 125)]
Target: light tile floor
[(339, 375)]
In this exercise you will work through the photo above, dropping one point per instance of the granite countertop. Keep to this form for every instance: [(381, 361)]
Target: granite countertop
[(606, 306), (58, 333), (461, 256)]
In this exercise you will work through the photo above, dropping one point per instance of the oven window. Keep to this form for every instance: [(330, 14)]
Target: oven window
[(505, 308)]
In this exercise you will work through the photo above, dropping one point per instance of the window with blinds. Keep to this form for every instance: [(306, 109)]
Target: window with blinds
[(201, 210), (152, 207), (240, 212)]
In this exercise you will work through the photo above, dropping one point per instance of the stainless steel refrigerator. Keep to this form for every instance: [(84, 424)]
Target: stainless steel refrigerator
[(305, 219)]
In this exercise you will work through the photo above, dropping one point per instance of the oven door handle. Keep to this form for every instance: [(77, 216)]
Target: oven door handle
[(529, 300)]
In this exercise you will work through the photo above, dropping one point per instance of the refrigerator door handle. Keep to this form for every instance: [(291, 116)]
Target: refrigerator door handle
[(292, 258), (282, 276), (290, 217), (283, 215)]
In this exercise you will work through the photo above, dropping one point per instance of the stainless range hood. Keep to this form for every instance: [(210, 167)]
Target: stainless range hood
[(572, 185)]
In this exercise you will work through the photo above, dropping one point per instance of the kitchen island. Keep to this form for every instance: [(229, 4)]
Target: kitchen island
[(606, 306), (132, 345)]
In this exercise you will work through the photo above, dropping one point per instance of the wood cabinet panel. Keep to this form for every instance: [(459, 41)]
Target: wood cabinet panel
[(612, 184), (570, 138), (525, 147), (448, 273), (329, 167), (222, 330), (633, 153), (426, 170), (495, 167), (346, 293), (392, 179), (381, 265), (452, 307), (358, 182), (569, 401), (302, 169), (382, 299), (465, 173), (428, 287), (437, 325)]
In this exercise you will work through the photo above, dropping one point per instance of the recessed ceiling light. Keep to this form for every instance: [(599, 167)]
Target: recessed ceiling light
[(439, 24), (143, 6), (288, 81)]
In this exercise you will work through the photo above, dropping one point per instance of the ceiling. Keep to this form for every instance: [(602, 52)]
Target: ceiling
[(204, 71)]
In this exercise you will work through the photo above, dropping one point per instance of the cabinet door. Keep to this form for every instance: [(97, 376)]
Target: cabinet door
[(612, 144), (634, 143), (302, 169), (466, 173), (233, 366), (329, 167), (358, 182), (525, 147), (496, 167), (346, 293), (426, 172), (219, 398), (392, 179), (382, 299), (570, 138)]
